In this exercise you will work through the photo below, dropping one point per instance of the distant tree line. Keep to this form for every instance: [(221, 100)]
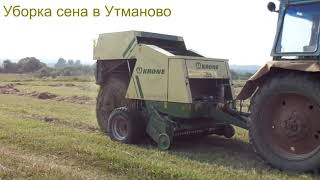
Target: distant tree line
[(35, 66), (25, 65), (62, 63), (67, 68), (240, 76)]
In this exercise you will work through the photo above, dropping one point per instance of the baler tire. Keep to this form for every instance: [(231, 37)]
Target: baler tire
[(228, 131), (134, 126), (111, 95), (267, 134)]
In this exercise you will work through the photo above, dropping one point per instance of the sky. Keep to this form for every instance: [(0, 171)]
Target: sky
[(241, 31)]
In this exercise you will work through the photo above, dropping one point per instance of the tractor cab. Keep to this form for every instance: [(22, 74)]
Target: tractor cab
[(298, 28)]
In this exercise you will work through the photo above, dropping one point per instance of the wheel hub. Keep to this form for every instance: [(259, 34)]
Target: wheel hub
[(120, 128), (294, 126), (291, 125), (164, 142)]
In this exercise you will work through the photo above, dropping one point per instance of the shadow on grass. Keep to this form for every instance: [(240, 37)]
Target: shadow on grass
[(219, 151), (231, 153)]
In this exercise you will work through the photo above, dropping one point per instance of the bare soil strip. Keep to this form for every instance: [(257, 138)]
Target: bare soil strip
[(11, 89)]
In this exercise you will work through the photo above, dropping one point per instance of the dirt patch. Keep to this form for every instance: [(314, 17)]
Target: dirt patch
[(39, 95), (46, 95), (8, 89), (60, 85), (80, 99), (32, 94), (55, 85), (54, 97), (39, 117), (69, 85), (76, 99), (50, 119), (19, 84)]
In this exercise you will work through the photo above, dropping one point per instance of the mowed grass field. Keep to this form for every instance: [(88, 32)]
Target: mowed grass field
[(59, 138)]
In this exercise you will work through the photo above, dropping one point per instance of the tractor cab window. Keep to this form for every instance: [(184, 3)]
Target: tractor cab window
[(300, 31)]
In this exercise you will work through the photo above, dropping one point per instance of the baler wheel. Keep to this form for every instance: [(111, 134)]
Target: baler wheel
[(285, 124), (164, 142), (228, 131), (125, 126)]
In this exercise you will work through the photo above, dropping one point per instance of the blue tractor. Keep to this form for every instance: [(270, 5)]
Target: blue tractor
[(284, 124)]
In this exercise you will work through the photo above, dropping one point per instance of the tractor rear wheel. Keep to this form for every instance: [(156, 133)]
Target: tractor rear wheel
[(285, 124), (111, 96)]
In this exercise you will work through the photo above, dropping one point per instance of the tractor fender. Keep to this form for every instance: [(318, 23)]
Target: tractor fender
[(253, 83)]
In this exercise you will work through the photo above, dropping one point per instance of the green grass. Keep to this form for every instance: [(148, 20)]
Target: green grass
[(70, 147), (69, 114), (15, 77)]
